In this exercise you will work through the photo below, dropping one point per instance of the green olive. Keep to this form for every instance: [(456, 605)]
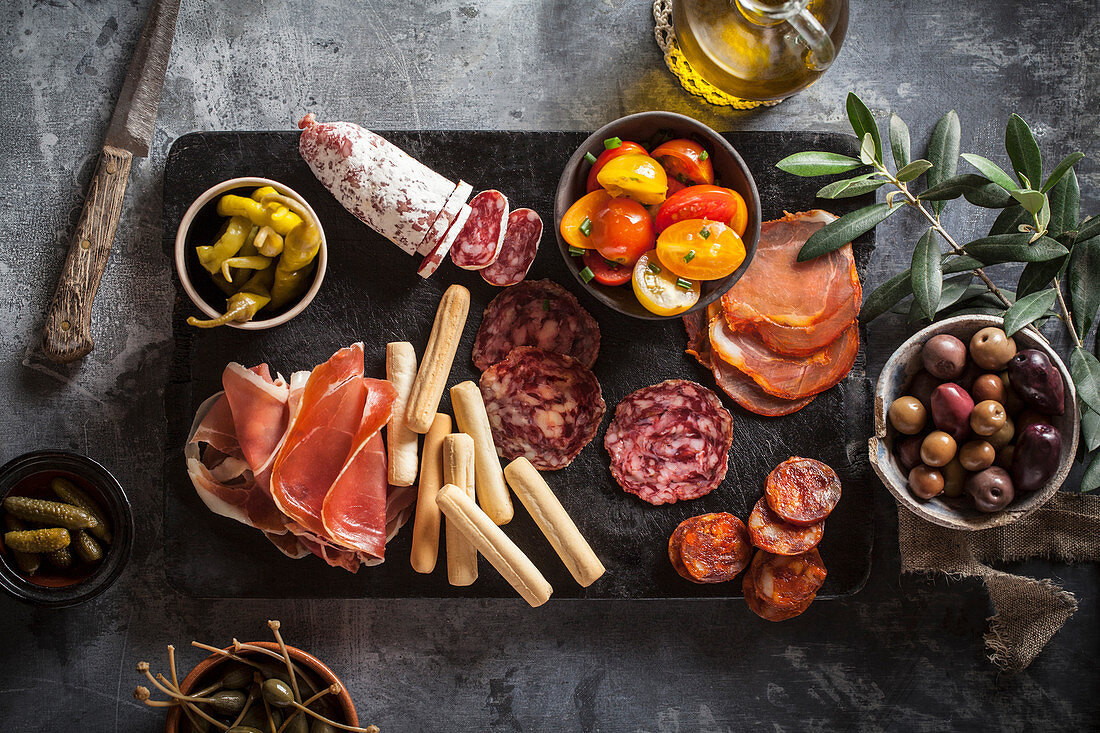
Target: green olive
[(908, 415), (987, 417), (925, 482), (937, 449), (1004, 436), (991, 349), (954, 478), (277, 693), (977, 455)]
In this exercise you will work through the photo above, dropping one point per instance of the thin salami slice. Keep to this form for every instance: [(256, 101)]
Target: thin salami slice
[(447, 216), (802, 491), (710, 548), (670, 442), (543, 406), (536, 313), (772, 534), (479, 243), (766, 610), (787, 581), (435, 258), (517, 253)]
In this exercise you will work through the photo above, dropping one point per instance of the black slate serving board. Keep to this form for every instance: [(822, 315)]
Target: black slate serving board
[(372, 293)]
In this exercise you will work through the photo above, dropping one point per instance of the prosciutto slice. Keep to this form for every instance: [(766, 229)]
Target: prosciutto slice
[(795, 308)]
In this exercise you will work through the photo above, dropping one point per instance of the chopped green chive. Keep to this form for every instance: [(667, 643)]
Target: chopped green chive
[(587, 274), (654, 268), (546, 304), (576, 251), (689, 256), (590, 157), (611, 265), (611, 143), (682, 283), (586, 226), (704, 156), (704, 233)]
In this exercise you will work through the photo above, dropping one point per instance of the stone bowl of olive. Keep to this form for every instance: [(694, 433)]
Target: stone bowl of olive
[(974, 429)]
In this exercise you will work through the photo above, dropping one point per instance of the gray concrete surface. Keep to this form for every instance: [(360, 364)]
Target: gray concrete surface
[(905, 654)]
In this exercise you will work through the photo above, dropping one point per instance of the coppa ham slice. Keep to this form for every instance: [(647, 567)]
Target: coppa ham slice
[(789, 377), (320, 437), (795, 308)]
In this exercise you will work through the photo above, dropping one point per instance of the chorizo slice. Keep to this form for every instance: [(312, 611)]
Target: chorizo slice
[(769, 532), (787, 580), (802, 491), (710, 548), (767, 610)]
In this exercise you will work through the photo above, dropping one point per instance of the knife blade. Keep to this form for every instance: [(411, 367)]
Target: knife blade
[(67, 333)]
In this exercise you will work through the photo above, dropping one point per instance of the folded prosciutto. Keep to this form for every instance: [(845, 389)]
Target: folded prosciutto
[(304, 462)]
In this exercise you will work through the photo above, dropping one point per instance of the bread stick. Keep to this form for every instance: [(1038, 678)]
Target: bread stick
[(543, 506), (431, 378), (425, 539), (458, 470), (400, 441), (489, 539), (471, 418)]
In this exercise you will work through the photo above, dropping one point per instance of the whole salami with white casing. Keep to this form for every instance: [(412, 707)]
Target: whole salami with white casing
[(385, 187)]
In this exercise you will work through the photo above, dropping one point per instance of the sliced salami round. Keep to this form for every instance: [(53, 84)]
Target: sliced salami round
[(536, 313), (434, 259), (447, 216), (710, 548), (772, 534), (767, 610), (479, 243), (517, 253), (670, 442), (543, 406), (802, 491), (787, 581)]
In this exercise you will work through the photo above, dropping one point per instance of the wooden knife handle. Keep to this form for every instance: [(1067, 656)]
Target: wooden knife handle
[(68, 333)]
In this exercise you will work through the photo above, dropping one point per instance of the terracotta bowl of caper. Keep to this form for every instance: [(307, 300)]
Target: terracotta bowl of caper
[(973, 428)]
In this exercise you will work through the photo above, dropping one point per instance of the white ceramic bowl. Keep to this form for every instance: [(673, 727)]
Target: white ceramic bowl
[(958, 514), (187, 263)]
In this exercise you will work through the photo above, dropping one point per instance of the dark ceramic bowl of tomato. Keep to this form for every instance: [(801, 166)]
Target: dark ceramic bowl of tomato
[(30, 475), (649, 129)]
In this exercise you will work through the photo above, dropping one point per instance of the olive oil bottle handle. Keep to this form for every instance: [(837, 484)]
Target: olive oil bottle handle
[(821, 52)]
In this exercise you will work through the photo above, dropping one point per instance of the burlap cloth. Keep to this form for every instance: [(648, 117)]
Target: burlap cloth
[(1026, 612)]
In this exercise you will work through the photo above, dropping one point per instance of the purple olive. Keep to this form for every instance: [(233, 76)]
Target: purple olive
[(944, 356), (990, 489), (1036, 457), (1037, 382), (951, 407), (922, 385), (908, 451)]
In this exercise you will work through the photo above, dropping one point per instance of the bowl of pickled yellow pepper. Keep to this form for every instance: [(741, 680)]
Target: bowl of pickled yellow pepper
[(250, 253)]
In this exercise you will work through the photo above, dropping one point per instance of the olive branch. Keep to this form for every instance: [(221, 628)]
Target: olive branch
[(1039, 226)]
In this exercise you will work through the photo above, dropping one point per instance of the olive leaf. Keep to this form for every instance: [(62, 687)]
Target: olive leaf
[(1038, 275), (867, 149), (988, 195), (836, 234), (817, 163), (1085, 370), (1023, 150), (1010, 220), (990, 170), (913, 171), (1027, 309), (899, 141), (927, 275), (1065, 204), (1084, 283), (850, 187), (943, 152), (1032, 201), (891, 292), (1090, 481), (863, 122), (1090, 429), (978, 190), (956, 290), (1060, 170), (1014, 248), (1088, 228)]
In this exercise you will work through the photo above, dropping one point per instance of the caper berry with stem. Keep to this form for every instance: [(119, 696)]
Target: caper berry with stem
[(277, 693)]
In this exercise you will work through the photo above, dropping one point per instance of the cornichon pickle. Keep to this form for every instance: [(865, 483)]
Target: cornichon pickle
[(27, 562), (61, 559), (52, 513), (86, 547), (70, 493), (38, 540)]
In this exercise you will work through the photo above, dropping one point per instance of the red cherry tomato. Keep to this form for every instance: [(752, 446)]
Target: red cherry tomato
[(622, 230), (704, 202), (685, 160), (624, 149), (674, 186), (608, 273)]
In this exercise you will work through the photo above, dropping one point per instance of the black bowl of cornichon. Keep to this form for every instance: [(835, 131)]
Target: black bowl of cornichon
[(67, 528)]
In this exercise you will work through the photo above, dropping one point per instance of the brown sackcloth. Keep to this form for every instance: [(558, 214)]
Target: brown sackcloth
[(1026, 612)]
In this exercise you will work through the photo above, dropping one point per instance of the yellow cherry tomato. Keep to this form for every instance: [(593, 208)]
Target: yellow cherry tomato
[(636, 176), (576, 225), (700, 249), (661, 291)]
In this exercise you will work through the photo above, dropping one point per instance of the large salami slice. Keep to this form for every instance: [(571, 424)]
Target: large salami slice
[(479, 243), (670, 442), (536, 313), (543, 406), (517, 253), (385, 187), (446, 218), (769, 532), (434, 259), (802, 491), (710, 548)]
